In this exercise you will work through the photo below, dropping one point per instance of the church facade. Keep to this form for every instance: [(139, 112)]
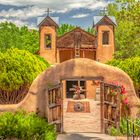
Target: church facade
[(77, 43)]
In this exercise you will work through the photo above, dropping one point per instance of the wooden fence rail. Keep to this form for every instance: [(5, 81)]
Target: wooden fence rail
[(133, 130)]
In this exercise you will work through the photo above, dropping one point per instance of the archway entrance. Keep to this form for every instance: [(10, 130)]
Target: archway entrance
[(86, 114)]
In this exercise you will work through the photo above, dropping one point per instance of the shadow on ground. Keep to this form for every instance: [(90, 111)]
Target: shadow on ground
[(77, 137)]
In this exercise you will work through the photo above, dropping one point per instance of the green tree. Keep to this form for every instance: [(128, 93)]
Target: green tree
[(64, 28), (12, 36), (131, 66), (112, 9), (127, 34), (18, 68), (91, 30)]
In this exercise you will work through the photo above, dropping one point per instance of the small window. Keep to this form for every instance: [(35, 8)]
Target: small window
[(48, 41), (105, 38)]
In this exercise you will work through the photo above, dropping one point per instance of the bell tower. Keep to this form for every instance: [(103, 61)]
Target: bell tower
[(104, 26), (47, 35)]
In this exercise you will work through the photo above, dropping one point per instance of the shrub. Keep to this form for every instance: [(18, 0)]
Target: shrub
[(123, 128), (18, 68), (113, 131), (25, 126)]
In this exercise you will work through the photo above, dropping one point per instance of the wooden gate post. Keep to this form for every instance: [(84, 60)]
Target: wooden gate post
[(102, 107), (62, 102)]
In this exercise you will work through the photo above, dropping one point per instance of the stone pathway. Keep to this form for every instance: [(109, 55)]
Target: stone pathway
[(83, 122), (84, 136)]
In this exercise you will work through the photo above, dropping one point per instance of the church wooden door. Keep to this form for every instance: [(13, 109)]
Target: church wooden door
[(55, 107), (110, 106)]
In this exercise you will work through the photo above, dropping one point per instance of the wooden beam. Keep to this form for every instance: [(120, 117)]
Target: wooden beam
[(54, 87), (82, 78), (53, 105), (82, 49)]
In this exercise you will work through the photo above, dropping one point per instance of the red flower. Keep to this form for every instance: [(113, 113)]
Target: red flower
[(123, 91), (126, 101)]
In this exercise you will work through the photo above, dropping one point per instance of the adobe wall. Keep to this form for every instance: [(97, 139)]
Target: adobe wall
[(90, 90), (35, 100)]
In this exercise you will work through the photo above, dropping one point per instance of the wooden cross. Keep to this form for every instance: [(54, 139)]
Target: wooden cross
[(104, 11), (77, 90), (48, 11)]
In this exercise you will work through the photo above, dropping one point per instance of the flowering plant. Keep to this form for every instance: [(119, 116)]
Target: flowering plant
[(123, 93), (125, 101)]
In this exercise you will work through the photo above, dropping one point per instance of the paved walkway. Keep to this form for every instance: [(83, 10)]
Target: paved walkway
[(84, 136), (84, 126), (83, 122)]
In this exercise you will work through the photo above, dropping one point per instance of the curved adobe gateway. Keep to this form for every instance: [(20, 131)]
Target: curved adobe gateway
[(52, 95)]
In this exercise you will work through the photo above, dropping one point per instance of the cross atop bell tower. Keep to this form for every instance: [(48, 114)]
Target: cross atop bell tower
[(103, 11), (48, 11)]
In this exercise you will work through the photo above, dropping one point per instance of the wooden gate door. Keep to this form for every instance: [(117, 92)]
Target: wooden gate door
[(110, 106), (55, 107)]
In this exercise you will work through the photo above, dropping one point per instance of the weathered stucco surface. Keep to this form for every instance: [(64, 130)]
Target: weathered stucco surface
[(35, 101)]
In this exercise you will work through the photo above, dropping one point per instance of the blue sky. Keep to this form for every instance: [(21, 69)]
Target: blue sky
[(75, 12)]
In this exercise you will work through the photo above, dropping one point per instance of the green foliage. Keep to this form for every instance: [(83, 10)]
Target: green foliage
[(12, 36), (64, 28), (122, 131), (19, 67), (22, 38), (131, 66), (113, 131), (91, 31), (127, 34), (25, 126), (112, 9)]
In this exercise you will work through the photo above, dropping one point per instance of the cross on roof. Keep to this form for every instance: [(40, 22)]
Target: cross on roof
[(48, 12), (104, 11)]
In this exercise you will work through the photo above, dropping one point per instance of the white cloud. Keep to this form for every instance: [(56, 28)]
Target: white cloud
[(25, 13), (80, 15), (20, 23), (96, 5), (35, 8), (58, 5), (61, 10), (15, 21)]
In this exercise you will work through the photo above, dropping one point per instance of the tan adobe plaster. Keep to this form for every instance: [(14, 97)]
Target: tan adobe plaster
[(105, 52), (48, 54), (36, 99)]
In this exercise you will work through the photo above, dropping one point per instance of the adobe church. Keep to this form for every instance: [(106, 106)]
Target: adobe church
[(77, 43), (78, 95)]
